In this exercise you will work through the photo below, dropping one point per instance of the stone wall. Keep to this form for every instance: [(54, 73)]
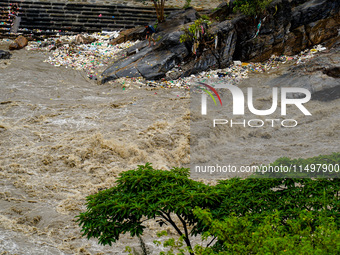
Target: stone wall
[(89, 15), (204, 4), (51, 17)]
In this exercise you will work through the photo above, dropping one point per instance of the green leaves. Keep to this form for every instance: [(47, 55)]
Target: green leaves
[(196, 31), (233, 211), (251, 7), (239, 235), (142, 194)]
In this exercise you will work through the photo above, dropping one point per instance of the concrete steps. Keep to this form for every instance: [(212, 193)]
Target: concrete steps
[(53, 17)]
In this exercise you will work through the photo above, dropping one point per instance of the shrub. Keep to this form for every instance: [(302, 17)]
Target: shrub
[(194, 32), (187, 4), (251, 7), (239, 235)]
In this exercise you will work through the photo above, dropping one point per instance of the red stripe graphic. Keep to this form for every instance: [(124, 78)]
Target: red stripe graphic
[(213, 90)]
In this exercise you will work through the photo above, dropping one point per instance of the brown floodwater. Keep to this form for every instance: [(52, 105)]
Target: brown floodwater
[(63, 137)]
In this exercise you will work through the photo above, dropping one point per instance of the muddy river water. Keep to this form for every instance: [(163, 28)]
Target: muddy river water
[(63, 137)]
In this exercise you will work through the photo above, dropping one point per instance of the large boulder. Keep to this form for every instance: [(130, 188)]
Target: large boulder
[(131, 34), (80, 39), (177, 19), (148, 62), (4, 54), (19, 43), (320, 75), (312, 11), (153, 62), (287, 27)]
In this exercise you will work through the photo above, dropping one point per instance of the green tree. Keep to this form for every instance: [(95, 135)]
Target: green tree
[(246, 206), (144, 194), (239, 235)]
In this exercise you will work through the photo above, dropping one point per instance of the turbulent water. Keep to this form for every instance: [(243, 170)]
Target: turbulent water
[(63, 137), (238, 146)]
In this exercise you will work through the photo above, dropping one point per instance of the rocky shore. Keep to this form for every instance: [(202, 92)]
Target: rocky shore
[(287, 27)]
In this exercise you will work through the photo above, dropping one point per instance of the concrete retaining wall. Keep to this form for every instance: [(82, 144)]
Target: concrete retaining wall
[(205, 4), (51, 17)]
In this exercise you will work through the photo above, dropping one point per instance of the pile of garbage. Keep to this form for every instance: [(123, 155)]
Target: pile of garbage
[(96, 56), (91, 57), (233, 74)]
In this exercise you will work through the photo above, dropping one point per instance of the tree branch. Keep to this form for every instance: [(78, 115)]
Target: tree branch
[(155, 3), (163, 215), (168, 219), (187, 240), (211, 242), (174, 225)]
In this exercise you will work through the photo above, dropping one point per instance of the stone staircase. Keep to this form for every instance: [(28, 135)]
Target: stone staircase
[(49, 18)]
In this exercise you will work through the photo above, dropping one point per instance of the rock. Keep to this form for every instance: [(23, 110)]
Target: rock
[(4, 54), (312, 11), (156, 64), (153, 62), (288, 27), (19, 43), (80, 39), (124, 67), (204, 62), (137, 47), (177, 19), (322, 30), (13, 46), (292, 28), (296, 41), (333, 42), (129, 71), (132, 34), (320, 75), (226, 36), (222, 11)]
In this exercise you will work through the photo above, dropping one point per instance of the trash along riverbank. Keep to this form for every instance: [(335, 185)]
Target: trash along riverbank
[(94, 58)]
